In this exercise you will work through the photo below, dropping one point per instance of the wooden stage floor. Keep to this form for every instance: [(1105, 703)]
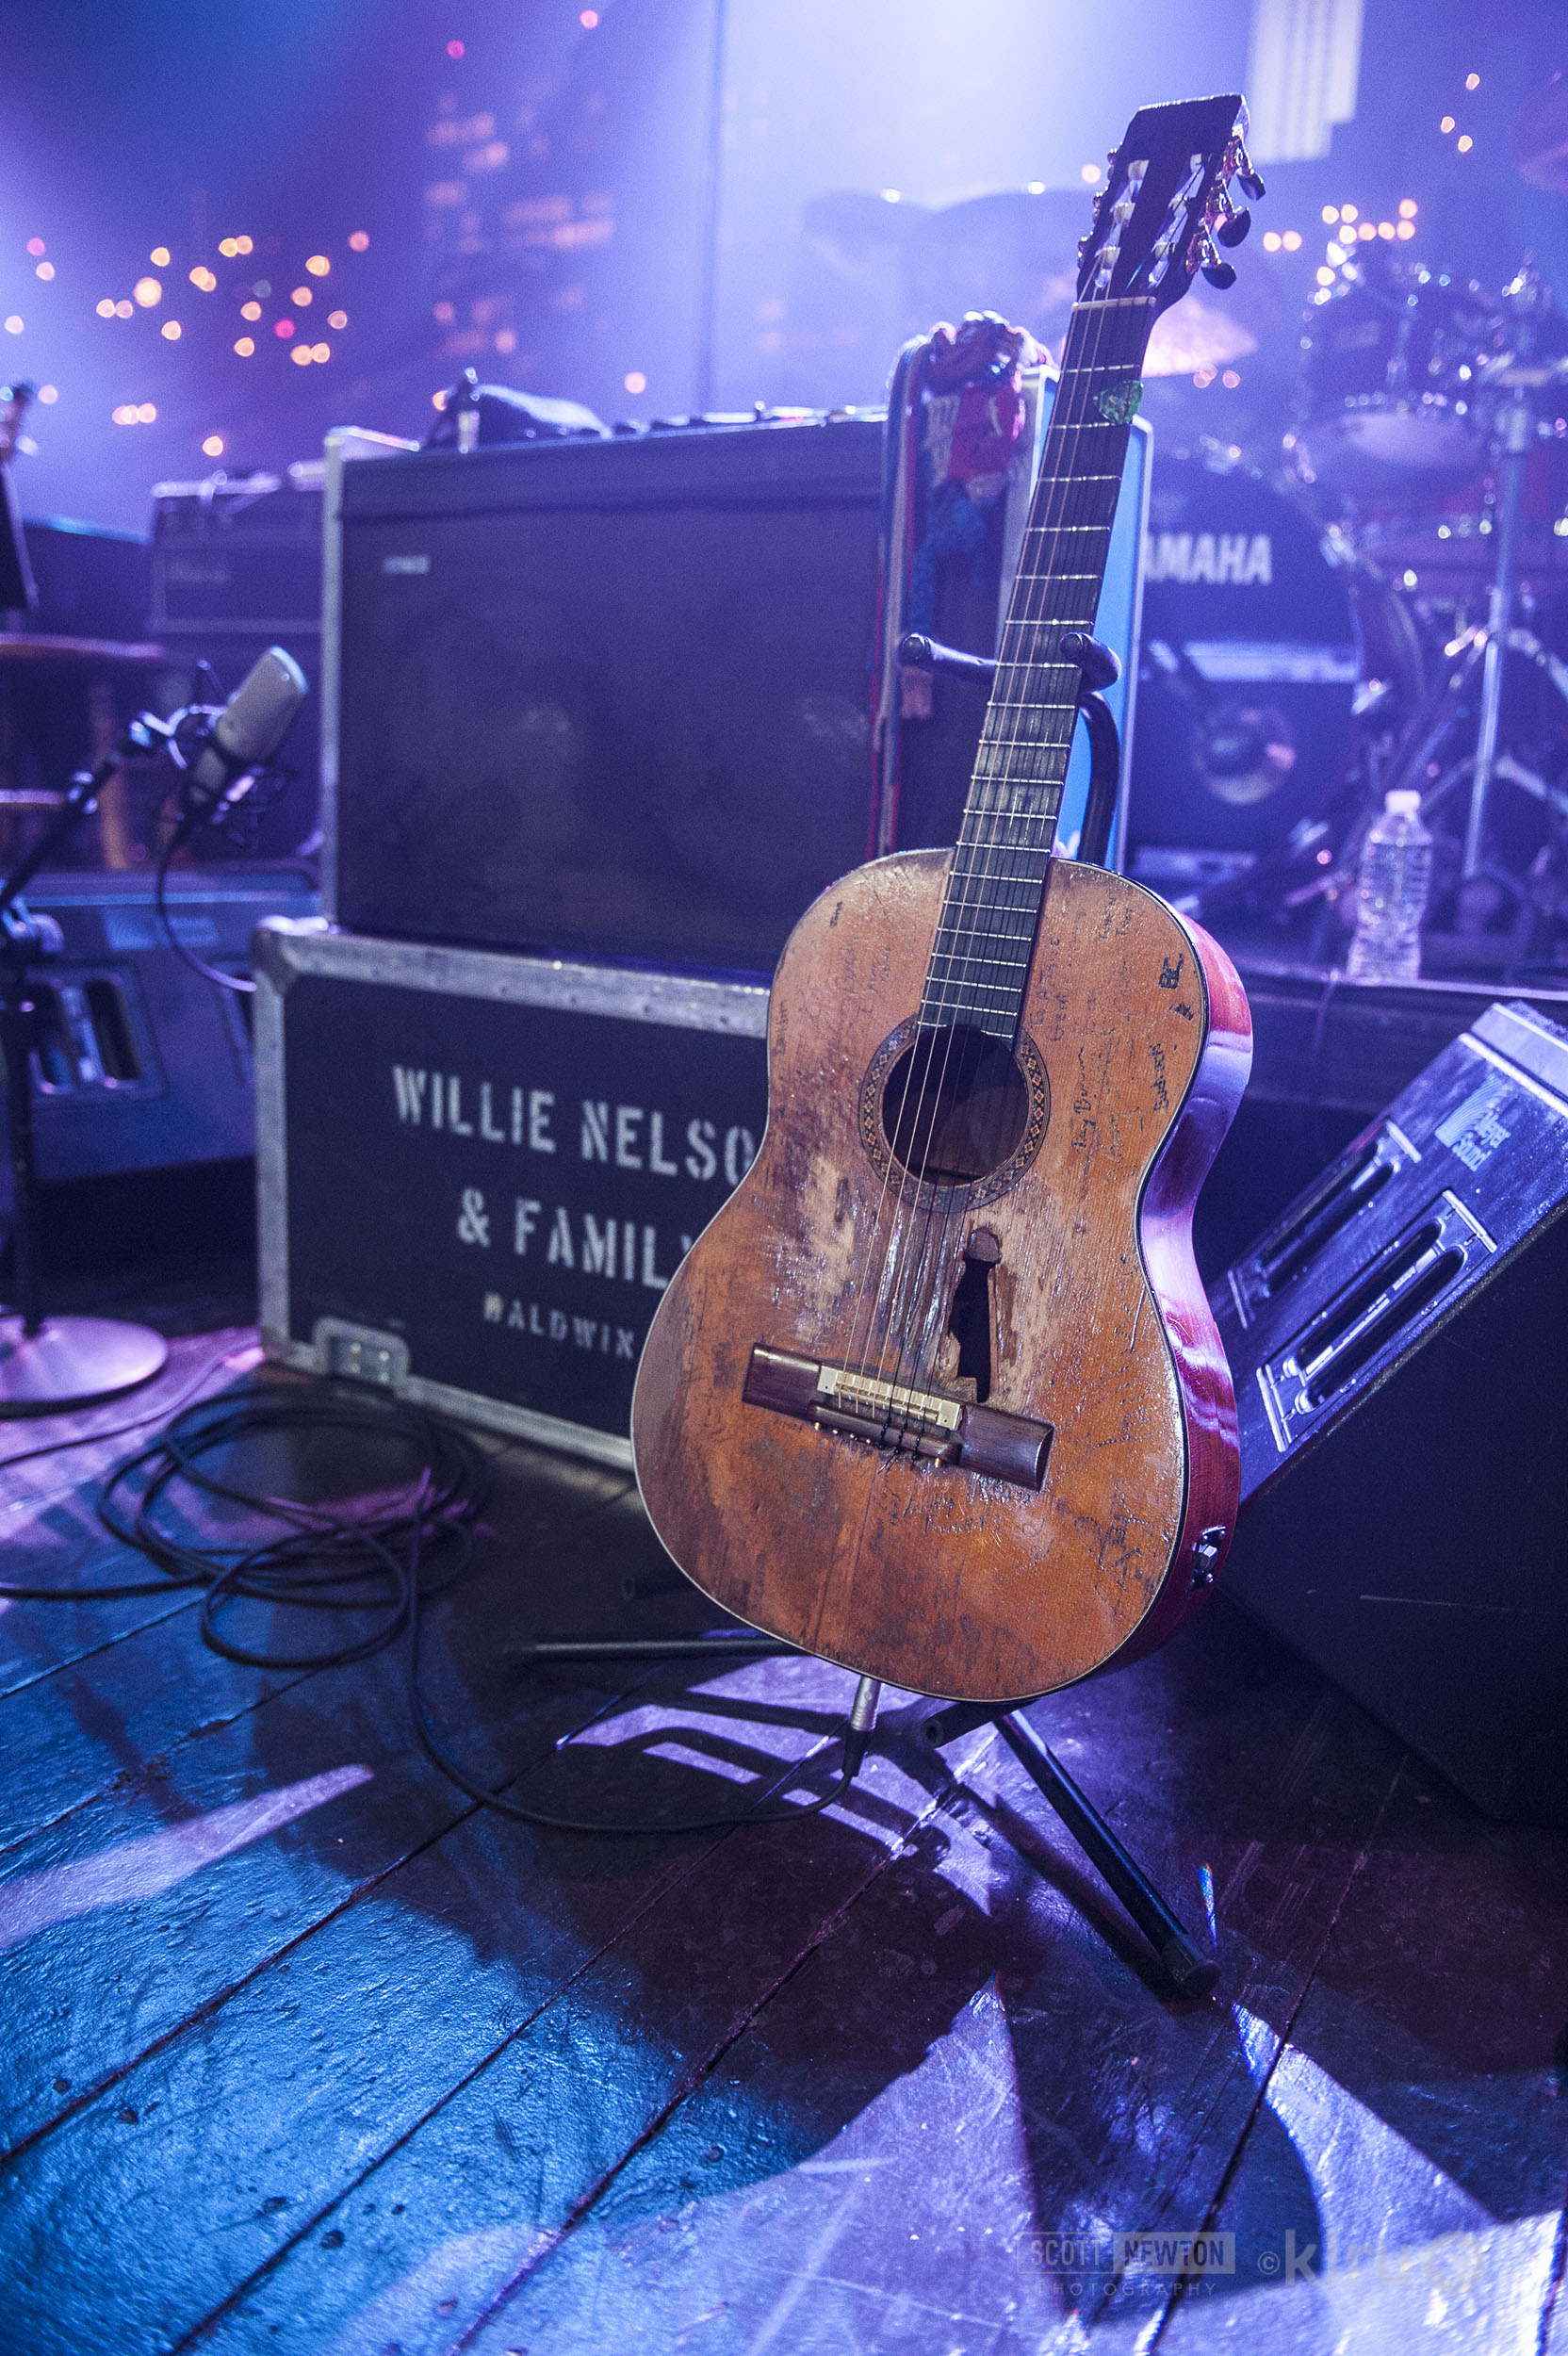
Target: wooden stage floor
[(305, 2052)]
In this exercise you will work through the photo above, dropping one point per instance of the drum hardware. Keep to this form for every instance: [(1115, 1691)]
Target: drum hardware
[(1426, 409), (1494, 910), (1386, 401), (1280, 668), (1515, 428)]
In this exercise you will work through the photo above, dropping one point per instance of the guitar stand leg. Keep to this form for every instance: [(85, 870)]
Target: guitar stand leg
[(723, 1644), (1191, 1971), (736, 1644)]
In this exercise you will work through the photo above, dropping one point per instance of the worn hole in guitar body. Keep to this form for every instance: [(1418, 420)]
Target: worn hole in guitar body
[(952, 1112)]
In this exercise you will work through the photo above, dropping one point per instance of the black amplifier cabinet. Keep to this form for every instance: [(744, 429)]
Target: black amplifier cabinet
[(92, 583), (1399, 1343), (477, 1173), (142, 1063), (238, 553), (607, 696)]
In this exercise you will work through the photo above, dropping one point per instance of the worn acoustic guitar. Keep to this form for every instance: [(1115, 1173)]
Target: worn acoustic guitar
[(937, 1394)]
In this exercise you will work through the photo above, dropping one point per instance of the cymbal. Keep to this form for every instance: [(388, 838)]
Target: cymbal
[(1538, 138), (1015, 251), (1207, 331), (857, 229)]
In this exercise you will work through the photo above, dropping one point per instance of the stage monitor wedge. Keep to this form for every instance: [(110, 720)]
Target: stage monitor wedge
[(1399, 1344)]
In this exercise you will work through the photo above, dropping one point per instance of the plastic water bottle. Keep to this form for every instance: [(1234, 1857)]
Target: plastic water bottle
[(1390, 894)]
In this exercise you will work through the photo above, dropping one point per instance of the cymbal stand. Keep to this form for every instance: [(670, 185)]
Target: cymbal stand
[(1516, 431)]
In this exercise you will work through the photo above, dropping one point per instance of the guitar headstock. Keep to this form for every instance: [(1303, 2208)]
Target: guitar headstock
[(1167, 206)]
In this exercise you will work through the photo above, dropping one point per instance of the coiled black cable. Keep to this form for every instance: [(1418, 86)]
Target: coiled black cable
[(338, 1559)]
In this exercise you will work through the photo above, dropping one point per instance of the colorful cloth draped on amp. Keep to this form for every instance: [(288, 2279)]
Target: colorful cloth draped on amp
[(955, 411)]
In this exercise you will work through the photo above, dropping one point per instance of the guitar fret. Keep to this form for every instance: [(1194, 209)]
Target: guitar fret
[(952, 967), (999, 935), (992, 989), (957, 926), (1003, 965), (1014, 850), (953, 932), (1037, 811), (1025, 802)]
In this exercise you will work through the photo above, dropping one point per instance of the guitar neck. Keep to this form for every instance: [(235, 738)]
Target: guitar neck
[(986, 939)]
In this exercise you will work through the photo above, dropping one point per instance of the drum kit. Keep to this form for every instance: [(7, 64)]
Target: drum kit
[(1420, 506), (1377, 597), (1430, 441)]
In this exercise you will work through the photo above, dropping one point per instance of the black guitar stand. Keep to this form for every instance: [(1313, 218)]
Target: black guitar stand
[(1098, 667), (1190, 1970)]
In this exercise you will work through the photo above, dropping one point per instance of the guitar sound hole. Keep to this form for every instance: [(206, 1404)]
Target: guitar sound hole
[(955, 1106)]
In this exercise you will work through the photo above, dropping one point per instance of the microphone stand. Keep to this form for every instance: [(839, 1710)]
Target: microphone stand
[(48, 1365)]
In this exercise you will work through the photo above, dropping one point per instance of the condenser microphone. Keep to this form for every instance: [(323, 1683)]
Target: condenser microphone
[(250, 727)]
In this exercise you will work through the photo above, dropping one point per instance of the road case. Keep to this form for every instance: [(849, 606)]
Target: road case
[(477, 1173)]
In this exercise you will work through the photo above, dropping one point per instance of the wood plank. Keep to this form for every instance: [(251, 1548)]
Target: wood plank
[(970, 2066), (1402, 2181), (128, 1965), (116, 1717), (400, 2073), (50, 1535), (137, 1910), (484, 1967), (114, 1709)]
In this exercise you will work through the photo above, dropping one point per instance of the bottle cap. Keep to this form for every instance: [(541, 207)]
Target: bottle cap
[(1403, 802)]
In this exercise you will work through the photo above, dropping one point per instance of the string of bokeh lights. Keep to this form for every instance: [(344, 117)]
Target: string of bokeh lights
[(148, 295), (1347, 229)]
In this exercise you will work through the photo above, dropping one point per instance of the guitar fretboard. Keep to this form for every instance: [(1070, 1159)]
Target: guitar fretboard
[(990, 913)]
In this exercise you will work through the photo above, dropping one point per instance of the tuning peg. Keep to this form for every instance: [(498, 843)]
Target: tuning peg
[(1220, 274), (1250, 183), (1234, 228)]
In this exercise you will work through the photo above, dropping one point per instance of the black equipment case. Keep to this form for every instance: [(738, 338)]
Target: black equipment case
[(477, 1173), (1399, 1344)]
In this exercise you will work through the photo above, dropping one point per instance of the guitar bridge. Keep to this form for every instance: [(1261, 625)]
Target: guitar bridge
[(901, 1417)]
